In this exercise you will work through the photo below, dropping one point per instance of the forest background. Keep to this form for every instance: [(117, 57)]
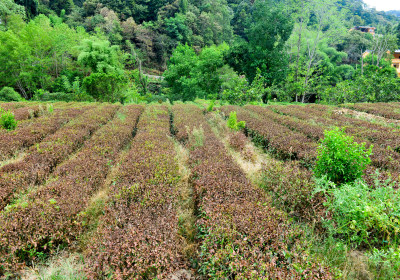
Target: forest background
[(237, 51)]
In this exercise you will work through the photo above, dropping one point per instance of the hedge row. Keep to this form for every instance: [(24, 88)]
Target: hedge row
[(281, 140), (313, 131), (380, 109), (138, 234), (242, 236), (12, 142), (55, 214), (41, 159)]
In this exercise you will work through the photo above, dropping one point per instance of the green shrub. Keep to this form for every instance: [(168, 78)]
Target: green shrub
[(340, 158), (7, 120), (106, 87), (385, 263), (362, 214), (233, 123), (9, 94), (210, 107)]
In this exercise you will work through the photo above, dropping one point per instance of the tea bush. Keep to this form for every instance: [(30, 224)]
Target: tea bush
[(340, 158)]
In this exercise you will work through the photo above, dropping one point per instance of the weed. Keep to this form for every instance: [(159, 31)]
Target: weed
[(196, 138), (50, 108), (233, 123), (7, 120)]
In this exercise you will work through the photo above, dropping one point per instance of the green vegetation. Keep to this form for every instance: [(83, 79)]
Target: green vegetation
[(235, 51), (362, 214), (340, 158), (7, 120), (9, 94), (233, 124)]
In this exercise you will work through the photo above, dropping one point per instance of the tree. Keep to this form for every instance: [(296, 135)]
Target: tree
[(189, 75), (8, 8), (31, 7), (383, 44), (177, 75), (355, 43), (33, 55), (59, 5), (263, 45), (100, 56), (317, 22)]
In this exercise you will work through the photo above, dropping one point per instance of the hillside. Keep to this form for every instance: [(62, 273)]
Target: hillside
[(236, 51), (133, 192)]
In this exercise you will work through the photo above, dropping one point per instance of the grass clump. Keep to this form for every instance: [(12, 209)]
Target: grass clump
[(7, 120), (196, 138)]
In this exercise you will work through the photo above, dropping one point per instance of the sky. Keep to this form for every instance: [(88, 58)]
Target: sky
[(384, 5)]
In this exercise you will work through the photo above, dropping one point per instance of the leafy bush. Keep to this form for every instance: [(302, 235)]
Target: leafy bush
[(7, 120), (386, 263), (362, 214), (340, 158), (210, 107), (244, 93), (9, 94), (108, 87), (233, 123)]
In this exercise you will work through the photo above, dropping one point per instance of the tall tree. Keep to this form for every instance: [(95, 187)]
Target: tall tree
[(263, 44)]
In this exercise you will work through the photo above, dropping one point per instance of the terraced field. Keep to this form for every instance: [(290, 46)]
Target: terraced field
[(168, 191)]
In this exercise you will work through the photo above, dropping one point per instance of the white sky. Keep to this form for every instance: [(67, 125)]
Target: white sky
[(383, 5)]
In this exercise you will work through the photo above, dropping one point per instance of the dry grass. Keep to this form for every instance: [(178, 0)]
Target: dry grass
[(186, 205), (368, 117), (16, 158), (64, 266), (251, 159)]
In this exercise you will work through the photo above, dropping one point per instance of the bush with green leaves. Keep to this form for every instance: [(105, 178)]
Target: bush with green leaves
[(7, 120), (362, 214), (340, 158), (233, 123), (244, 93), (8, 94), (106, 87), (385, 262)]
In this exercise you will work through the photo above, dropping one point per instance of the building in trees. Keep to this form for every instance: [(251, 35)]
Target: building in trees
[(365, 29), (396, 61)]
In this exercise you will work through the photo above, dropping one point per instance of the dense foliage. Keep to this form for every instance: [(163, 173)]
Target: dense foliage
[(238, 51), (340, 158), (7, 120)]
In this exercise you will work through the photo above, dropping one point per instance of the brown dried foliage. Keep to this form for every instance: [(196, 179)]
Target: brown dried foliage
[(23, 137), (243, 236), (384, 139), (54, 214), (138, 236), (282, 141), (40, 160)]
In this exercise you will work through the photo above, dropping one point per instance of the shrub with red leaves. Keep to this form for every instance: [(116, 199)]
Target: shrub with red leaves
[(237, 140), (54, 214), (243, 236), (33, 132), (138, 234), (41, 159)]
